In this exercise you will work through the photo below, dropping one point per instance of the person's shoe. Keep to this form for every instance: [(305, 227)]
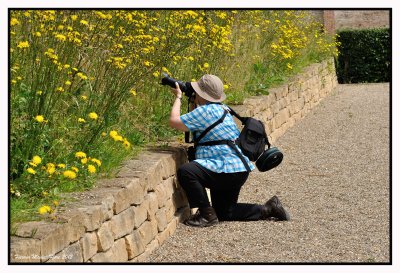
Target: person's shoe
[(204, 217), (273, 210)]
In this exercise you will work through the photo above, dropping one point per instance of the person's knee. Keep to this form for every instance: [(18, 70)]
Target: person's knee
[(184, 173)]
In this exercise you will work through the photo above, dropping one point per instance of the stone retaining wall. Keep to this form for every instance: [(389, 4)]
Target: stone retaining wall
[(125, 218), (122, 219), (288, 103)]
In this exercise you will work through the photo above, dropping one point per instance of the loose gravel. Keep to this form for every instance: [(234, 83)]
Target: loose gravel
[(334, 181)]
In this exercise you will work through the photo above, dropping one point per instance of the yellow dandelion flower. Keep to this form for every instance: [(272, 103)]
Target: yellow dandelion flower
[(80, 155), (81, 75), (156, 74), (83, 97), (74, 17), (84, 160), (127, 144), (60, 89), (84, 22), (81, 120), (68, 83), (226, 86), (38, 34), (61, 38), (39, 118), (113, 134), (75, 169), (133, 92), (56, 203), (39, 92), (69, 174), (24, 44), (51, 168), (37, 160), (91, 168), (166, 70), (61, 166), (31, 171), (14, 22), (93, 115), (44, 210), (95, 160), (206, 65)]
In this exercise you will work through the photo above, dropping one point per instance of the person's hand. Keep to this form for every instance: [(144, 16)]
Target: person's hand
[(177, 90)]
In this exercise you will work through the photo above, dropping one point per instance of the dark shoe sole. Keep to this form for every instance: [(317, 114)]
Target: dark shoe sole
[(202, 224)]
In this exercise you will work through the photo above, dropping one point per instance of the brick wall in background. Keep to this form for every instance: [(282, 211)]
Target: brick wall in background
[(362, 19)]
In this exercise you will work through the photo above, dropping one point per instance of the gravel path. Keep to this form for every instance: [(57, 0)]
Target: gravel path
[(334, 181)]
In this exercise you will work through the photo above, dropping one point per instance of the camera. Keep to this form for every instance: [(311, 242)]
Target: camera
[(185, 87)]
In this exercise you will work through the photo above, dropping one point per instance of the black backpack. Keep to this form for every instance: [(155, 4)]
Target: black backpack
[(252, 138)]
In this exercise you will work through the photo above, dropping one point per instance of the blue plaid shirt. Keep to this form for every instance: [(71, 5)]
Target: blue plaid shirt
[(217, 158)]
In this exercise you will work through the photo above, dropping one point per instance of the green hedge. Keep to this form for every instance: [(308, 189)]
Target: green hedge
[(364, 56)]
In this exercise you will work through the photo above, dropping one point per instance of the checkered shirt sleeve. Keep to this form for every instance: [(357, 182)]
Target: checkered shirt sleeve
[(217, 158)]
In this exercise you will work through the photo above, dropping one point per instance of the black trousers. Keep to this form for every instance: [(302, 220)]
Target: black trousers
[(224, 189)]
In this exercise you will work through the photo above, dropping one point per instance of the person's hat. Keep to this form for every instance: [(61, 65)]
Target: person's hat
[(210, 87)]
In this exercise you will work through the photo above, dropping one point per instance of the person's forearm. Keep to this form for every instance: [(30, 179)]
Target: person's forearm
[(176, 109), (175, 118)]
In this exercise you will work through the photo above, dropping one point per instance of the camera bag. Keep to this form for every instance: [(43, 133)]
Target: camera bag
[(252, 141)]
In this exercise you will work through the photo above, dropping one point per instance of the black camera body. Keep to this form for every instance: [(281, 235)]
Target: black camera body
[(185, 87)]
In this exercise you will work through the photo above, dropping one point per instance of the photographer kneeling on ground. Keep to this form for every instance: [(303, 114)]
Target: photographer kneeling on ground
[(217, 167)]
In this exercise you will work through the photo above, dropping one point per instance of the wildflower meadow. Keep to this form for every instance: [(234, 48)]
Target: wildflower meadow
[(85, 87)]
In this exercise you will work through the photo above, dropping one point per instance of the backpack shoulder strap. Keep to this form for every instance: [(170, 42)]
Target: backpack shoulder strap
[(209, 128), (242, 119)]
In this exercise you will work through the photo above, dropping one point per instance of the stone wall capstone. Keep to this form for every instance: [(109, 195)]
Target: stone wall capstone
[(125, 218)]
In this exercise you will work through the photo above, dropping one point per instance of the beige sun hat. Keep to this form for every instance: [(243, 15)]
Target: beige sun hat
[(210, 87)]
